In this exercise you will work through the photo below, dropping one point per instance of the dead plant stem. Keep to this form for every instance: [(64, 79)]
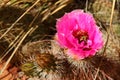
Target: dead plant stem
[(7, 62), (110, 30), (19, 19)]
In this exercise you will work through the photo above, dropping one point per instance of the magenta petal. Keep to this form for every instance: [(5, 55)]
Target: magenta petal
[(87, 38)]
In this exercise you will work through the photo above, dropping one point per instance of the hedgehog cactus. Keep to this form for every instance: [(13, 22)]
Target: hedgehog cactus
[(46, 60), (72, 56), (56, 65)]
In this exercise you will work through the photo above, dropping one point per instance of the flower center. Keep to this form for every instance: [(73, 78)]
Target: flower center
[(82, 36)]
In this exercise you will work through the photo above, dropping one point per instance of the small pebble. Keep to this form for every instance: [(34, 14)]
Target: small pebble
[(34, 78), (21, 74)]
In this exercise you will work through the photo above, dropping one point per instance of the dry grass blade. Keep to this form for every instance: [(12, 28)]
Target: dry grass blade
[(21, 40), (97, 73), (7, 62), (58, 9), (111, 18), (86, 8), (104, 50), (60, 4), (19, 19), (12, 45), (110, 30)]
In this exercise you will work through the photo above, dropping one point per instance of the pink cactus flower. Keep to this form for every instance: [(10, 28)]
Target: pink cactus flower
[(78, 33)]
